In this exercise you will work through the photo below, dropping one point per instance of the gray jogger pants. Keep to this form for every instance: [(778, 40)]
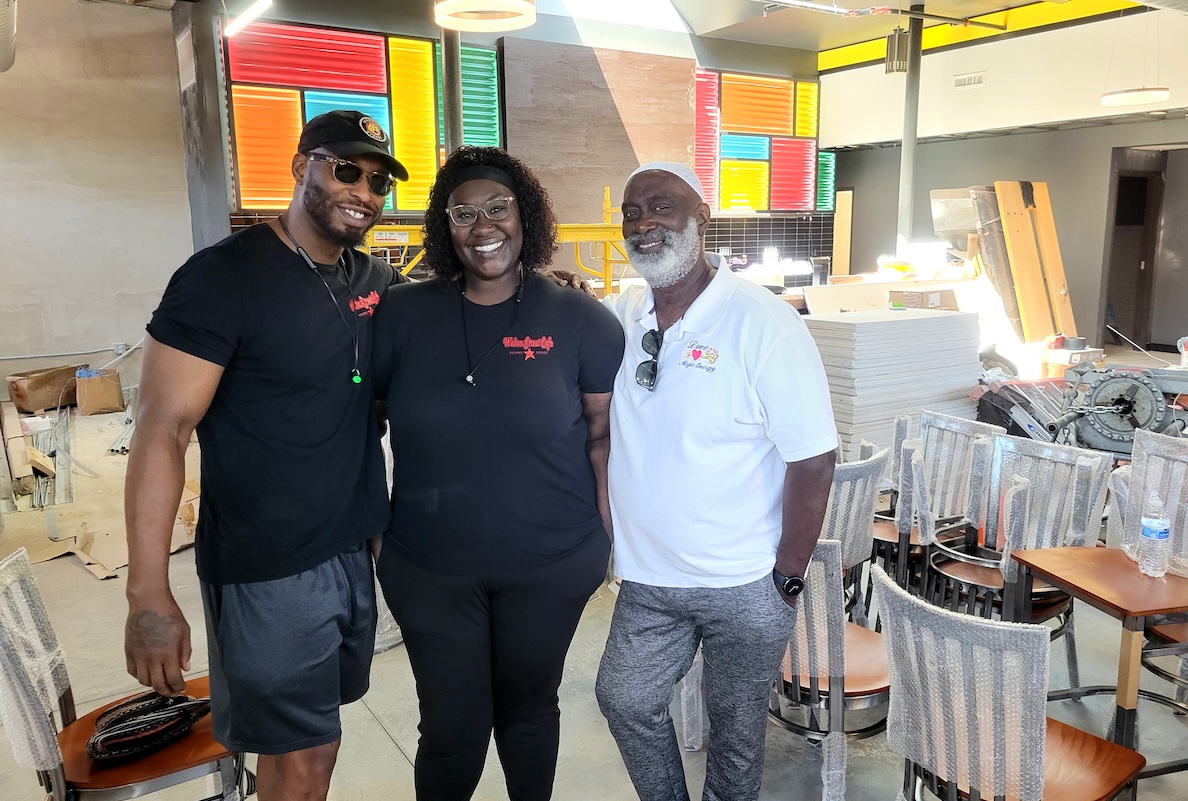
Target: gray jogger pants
[(654, 636)]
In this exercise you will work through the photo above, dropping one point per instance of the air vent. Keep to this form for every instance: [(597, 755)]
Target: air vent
[(968, 80), (186, 68)]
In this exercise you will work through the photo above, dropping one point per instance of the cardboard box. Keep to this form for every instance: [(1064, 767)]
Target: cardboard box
[(43, 389), (101, 393), (938, 299)]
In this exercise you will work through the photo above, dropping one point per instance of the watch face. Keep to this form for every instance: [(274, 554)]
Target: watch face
[(793, 585)]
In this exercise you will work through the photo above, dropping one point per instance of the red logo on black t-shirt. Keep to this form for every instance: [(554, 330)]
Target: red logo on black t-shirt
[(364, 306), (530, 347)]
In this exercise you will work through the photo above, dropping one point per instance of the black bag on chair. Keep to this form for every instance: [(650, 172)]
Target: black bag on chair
[(144, 723)]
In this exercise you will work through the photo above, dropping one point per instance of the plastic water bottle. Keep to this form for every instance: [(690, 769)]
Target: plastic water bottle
[(1154, 542)]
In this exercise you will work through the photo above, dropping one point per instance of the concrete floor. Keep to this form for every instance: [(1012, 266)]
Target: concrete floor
[(380, 731)]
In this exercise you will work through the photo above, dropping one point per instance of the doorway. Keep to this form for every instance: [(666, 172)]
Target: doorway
[(1130, 292)]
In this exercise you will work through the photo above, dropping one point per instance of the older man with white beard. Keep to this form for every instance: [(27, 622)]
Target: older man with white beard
[(722, 453)]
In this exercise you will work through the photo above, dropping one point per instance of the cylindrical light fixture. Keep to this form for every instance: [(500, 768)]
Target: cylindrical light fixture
[(897, 51), (1136, 97), (484, 16), (239, 23)]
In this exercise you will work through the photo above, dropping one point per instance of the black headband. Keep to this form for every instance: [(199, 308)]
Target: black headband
[(480, 172)]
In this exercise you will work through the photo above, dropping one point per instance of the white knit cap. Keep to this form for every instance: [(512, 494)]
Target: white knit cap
[(686, 174)]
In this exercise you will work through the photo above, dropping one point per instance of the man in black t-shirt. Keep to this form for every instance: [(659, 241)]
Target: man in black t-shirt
[(262, 344)]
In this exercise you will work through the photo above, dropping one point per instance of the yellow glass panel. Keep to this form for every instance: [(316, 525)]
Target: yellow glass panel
[(807, 109), (414, 119), (745, 185), (267, 126), (756, 105), (1023, 18)]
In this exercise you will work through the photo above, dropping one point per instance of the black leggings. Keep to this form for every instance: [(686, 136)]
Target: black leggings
[(487, 653)]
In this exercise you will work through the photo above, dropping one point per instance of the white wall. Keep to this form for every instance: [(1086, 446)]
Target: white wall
[(1045, 77), (94, 215)]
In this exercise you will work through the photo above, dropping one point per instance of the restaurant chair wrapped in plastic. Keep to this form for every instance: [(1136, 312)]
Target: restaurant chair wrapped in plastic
[(34, 685), (947, 446), (832, 667), (1063, 507), (967, 710), (1159, 463)]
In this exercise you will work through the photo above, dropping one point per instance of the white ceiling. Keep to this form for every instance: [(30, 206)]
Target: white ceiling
[(744, 21)]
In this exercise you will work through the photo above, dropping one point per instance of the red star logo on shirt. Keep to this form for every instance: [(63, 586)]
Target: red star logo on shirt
[(528, 354)]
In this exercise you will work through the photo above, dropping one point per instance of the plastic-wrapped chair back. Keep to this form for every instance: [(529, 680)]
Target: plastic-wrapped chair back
[(1067, 511), (968, 696), (1158, 462), (817, 648), (33, 675), (852, 499), (948, 449)]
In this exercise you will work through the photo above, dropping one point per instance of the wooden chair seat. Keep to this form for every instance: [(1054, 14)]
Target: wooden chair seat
[(1079, 766), (1176, 632), (194, 750), (867, 671), (985, 576), (885, 531)]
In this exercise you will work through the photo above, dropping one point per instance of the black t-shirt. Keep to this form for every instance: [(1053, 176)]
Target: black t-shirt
[(292, 471), (493, 475)]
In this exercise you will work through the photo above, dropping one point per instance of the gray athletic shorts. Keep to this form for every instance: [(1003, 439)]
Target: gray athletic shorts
[(286, 653)]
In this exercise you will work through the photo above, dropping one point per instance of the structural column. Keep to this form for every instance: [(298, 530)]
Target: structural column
[(451, 88), (911, 116)]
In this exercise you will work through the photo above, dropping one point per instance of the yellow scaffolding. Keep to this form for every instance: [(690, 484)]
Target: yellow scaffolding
[(605, 241)]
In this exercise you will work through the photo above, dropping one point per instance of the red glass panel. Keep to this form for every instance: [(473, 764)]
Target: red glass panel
[(793, 174), (706, 117), (312, 58)]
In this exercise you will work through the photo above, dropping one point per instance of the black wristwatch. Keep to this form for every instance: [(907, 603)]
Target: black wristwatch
[(790, 586)]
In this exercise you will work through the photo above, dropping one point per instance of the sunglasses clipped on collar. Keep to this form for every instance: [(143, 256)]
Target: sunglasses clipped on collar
[(646, 372), (349, 173)]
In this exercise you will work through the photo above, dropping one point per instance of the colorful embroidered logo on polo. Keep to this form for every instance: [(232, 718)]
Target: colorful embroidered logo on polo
[(699, 356)]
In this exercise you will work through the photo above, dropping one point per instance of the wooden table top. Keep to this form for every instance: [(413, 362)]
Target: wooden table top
[(1108, 579)]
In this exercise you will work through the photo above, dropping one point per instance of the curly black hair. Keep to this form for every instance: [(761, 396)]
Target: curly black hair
[(537, 220)]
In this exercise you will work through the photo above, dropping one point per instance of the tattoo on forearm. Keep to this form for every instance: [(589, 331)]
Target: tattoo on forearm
[(148, 629)]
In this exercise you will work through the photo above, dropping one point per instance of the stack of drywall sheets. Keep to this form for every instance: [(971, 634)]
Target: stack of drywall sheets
[(881, 364)]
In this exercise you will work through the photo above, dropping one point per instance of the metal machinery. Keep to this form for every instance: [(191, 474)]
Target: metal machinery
[(1095, 408)]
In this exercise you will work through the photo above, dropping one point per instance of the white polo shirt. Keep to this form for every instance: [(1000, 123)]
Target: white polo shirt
[(697, 465)]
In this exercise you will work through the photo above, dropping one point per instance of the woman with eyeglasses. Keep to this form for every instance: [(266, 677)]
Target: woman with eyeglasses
[(498, 384)]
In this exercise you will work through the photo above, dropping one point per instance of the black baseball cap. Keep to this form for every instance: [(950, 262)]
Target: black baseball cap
[(350, 133)]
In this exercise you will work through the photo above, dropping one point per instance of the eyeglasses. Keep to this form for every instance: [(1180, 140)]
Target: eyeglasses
[(495, 209), (645, 374), (349, 173)]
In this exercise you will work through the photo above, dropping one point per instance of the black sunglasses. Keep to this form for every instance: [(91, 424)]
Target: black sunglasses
[(348, 172), (645, 374)]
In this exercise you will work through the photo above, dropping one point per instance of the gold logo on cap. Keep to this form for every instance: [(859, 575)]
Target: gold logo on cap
[(373, 129)]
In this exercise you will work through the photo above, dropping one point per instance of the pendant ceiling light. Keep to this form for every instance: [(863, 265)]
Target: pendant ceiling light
[(485, 16), (1142, 95), (1136, 97), (897, 51)]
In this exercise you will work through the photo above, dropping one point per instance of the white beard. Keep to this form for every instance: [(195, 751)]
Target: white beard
[(675, 259)]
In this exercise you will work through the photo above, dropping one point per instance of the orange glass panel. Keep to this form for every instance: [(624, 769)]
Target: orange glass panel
[(267, 126), (756, 105), (807, 109), (745, 185), (414, 119)]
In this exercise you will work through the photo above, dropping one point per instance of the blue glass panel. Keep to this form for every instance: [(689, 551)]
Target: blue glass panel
[(735, 146), (374, 106)]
